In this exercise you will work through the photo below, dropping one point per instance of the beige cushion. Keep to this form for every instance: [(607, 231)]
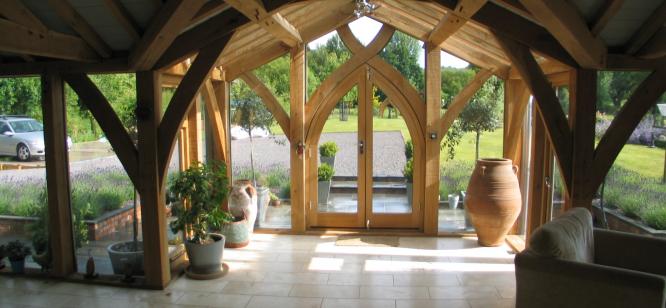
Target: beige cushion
[(569, 237)]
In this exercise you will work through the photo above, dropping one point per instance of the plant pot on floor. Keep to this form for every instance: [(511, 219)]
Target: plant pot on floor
[(237, 233), (18, 266), (206, 258), (330, 160), (323, 191), (123, 253), (493, 199), (453, 201), (243, 201), (263, 199)]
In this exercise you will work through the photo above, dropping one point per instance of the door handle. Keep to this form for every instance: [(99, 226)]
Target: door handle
[(360, 146)]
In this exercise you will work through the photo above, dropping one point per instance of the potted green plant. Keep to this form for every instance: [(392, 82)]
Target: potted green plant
[(128, 252), (275, 200), (201, 190), (16, 252), (324, 175), (408, 173), (327, 151)]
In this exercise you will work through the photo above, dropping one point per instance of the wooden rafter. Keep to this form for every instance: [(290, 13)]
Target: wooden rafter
[(270, 101), (189, 42), (631, 113), (453, 20), (565, 23), (171, 19), (124, 18), (108, 120), (647, 30), (211, 8), (75, 21), (554, 118), (19, 39), (505, 22), (16, 11), (461, 100), (182, 100), (608, 10), (216, 116), (655, 47), (274, 23)]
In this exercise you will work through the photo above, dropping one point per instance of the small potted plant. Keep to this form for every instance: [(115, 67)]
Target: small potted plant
[(408, 173), (324, 175), (327, 151), (16, 252), (275, 200), (201, 190)]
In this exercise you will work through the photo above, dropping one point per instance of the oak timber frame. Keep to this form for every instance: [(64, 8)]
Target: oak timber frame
[(175, 36)]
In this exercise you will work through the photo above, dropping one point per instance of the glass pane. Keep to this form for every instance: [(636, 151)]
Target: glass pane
[(102, 195), (557, 205), (338, 171), (264, 158), (391, 181), (23, 198)]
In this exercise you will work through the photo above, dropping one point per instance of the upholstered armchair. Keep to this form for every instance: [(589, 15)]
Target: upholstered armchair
[(570, 264)]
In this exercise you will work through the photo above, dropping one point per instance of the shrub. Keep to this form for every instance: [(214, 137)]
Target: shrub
[(285, 191), (632, 206), (277, 177), (409, 149), (408, 171), (455, 176), (328, 149), (656, 218), (325, 172)]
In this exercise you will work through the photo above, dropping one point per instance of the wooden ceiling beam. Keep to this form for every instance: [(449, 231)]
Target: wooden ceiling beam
[(503, 21), (453, 20), (254, 60), (16, 11), (567, 25), (211, 8), (274, 23), (124, 18), (74, 20), (19, 39), (171, 19), (655, 47), (647, 30), (605, 14)]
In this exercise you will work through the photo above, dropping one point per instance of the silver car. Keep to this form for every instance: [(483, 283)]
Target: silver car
[(23, 137)]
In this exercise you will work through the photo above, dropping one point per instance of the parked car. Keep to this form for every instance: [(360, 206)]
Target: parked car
[(23, 138)]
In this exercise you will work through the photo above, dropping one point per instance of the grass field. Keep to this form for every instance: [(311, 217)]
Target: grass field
[(646, 161)]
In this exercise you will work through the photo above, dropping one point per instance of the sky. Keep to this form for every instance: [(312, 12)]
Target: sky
[(365, 30)]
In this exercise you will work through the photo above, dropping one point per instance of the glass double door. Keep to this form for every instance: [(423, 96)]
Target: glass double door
[(368, 189)]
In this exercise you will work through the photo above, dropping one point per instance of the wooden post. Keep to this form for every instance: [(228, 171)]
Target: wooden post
[(156, 260), (297, 142), (222, 93), (194, 124), (516, 98), (582, 119), (57, 175), (433, 71), (540, 175)]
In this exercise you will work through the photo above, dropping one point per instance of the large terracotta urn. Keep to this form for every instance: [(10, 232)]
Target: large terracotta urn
[(243, 201), (493, 199)]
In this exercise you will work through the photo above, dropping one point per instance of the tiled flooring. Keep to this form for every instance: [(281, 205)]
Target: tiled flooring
[(278, 271)]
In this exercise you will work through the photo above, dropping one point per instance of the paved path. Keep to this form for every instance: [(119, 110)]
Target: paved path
[(273, 152)]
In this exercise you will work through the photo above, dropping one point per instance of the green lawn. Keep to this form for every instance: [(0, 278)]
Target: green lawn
[(646, 161)]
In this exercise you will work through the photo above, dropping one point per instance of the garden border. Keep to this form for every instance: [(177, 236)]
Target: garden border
[(619, 222)]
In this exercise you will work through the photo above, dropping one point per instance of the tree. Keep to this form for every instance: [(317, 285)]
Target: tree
[(403, 53), (453, 81), (250, 114), (483, 111), (21, 96)]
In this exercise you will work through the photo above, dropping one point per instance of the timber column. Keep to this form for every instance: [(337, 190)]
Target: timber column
[(433, 70), (57, 175), (297, 150), (582, 119), (153, 215)]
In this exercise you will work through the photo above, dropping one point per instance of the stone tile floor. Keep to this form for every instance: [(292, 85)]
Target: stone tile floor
[(311, 271)]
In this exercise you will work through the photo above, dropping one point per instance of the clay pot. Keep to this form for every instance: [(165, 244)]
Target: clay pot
[(493, 199), (243, 201)]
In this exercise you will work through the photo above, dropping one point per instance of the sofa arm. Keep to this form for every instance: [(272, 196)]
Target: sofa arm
[(545, 283), (631, 251)]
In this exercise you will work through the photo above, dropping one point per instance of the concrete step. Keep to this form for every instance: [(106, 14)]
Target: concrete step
[(349, 187)]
